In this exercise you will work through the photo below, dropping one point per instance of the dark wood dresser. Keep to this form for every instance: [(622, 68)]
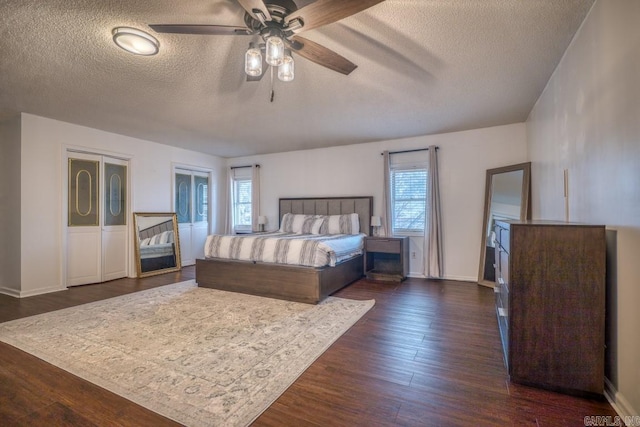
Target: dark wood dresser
[(550, 301)]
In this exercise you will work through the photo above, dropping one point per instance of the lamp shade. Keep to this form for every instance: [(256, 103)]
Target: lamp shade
[(262, 220), (286, 69), (375, 221), (274, 51), (253, 61)]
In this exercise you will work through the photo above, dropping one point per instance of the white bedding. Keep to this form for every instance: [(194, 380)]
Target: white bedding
[(157, 246), (310, 250)]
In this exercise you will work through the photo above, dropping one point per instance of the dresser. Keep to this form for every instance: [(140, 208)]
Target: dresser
[(550, 303), (386, 258)]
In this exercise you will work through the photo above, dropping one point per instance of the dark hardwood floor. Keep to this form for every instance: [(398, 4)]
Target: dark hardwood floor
[(427, 354)]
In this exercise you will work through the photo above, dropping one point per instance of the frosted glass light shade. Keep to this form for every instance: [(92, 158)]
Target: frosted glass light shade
[(135, 41), (286, 69), (253, 62), (275, 51)]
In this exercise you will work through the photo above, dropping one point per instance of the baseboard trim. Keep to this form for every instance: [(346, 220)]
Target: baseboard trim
[(11, 292), (41, 291), (456, 278), (619, 403)]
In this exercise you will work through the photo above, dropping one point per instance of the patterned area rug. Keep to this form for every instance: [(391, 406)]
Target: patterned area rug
[(198, 356)]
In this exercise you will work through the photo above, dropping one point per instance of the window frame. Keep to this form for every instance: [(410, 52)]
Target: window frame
[(241, 228), (415, 167)]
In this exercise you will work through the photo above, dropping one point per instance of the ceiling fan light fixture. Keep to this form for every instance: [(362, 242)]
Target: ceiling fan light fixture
[(135, 41), (286, 69), (275, 50), (253, 61)]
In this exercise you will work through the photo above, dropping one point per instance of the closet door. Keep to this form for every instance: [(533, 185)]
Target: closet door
[(97, 212), (192, 209), (84, 247), (200, 225), (115, 250), (183, 204)]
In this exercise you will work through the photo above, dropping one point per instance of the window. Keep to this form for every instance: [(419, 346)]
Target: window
[(242, 204), (408, 198)]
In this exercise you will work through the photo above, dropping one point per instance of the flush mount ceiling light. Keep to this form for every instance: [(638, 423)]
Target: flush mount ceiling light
[(135, 41)]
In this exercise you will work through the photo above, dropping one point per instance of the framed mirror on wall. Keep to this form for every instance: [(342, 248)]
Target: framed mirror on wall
[(507, 196), (157, 243)]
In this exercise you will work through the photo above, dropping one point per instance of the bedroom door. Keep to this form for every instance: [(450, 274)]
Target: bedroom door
[(191, 201), (97, 194)]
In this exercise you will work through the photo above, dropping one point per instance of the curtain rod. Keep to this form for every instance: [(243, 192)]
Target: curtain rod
[(242, 167), (409, 151)]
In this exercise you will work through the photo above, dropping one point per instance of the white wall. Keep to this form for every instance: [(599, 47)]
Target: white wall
[(42, 176), (588, 122), (10, 206), (356, 170)]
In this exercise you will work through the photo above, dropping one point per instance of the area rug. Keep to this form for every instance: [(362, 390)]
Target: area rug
[(198, 356)]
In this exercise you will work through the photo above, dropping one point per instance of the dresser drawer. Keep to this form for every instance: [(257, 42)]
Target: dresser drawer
[(390, 246)]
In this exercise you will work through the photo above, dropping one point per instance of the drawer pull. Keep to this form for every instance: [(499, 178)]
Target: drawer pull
[(502, 312)]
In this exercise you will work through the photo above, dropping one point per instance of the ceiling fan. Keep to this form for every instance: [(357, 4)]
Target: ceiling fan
[(279, 22)]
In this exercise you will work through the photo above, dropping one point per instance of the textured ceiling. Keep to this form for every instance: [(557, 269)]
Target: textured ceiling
[(424, 67)]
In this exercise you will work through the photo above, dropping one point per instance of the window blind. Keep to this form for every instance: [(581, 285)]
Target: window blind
[(409, 190)]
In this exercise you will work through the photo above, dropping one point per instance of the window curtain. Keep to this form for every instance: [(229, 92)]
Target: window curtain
[(255, 197), (228, 219), (385, 220), (433, 221)]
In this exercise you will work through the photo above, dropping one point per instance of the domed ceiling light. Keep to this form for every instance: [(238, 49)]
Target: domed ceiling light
[(135, 41)]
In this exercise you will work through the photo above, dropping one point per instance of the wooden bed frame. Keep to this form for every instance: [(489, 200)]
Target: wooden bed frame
[(294, 283)]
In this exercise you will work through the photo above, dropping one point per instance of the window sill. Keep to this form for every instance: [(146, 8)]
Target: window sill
[(408, 234)]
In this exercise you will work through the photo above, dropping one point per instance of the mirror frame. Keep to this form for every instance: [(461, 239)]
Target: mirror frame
[(176, 239), (525, 209)]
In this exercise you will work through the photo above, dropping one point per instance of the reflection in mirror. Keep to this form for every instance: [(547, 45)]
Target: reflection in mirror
[(157, 243), (507, 196)]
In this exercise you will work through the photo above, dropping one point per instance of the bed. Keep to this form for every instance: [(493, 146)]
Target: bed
[(270, 276)]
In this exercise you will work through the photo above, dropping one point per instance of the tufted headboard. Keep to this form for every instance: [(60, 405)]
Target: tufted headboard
[(363, 206)]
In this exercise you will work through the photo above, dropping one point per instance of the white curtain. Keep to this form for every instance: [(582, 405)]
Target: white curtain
[(255, 197), (228, 218), (385, 219), (433, 224)]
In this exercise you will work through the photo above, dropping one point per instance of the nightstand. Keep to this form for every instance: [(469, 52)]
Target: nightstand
[(386, 258)]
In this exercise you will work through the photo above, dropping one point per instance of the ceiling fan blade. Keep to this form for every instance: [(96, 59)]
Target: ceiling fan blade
[(251, 5), (222, 30), (321, 55), (323, 12)]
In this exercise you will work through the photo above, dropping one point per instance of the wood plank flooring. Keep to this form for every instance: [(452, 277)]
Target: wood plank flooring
[(427, 354)]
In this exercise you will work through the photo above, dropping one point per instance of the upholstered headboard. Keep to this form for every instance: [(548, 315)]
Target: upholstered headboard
[(363, 206), (156, 229)]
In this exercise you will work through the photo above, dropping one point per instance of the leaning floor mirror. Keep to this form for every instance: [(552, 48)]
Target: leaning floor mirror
[(507, 196), (157, 244)]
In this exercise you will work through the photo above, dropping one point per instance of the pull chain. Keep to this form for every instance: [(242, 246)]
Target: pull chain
[(272, 91)]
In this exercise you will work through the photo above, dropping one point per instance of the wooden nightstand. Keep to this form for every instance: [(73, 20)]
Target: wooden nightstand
[(386, 258)]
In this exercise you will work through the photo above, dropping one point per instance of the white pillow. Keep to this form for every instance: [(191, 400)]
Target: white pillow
[(341, 224), (313, 224), (293, 223)]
